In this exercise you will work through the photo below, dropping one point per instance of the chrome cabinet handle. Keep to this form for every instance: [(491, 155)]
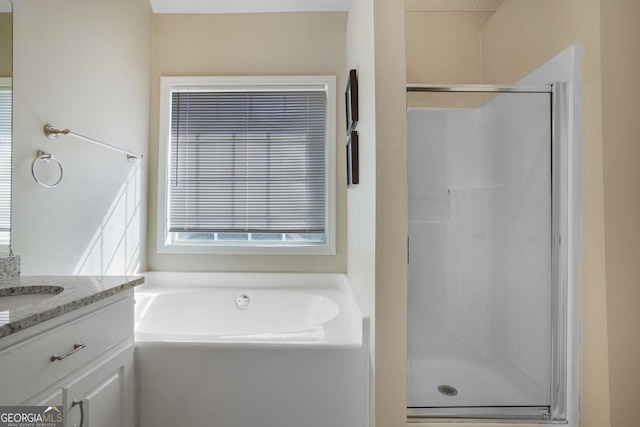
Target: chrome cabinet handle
[(76, 347), (79, 403)]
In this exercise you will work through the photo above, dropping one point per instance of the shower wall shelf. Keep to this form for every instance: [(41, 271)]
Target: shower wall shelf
[(53, 133)]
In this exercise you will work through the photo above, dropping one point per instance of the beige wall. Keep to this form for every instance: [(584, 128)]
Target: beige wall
[(362, 197), (248, 44), (517, 39), (444, 47), (391, 214), (84, 66), (621, 136), (6, 39), (378, 206)]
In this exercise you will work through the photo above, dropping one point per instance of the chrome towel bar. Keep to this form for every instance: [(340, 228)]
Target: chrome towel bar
[(53, 133)]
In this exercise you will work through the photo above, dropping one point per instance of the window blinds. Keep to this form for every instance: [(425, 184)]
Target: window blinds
[(247, 161), (5, 165)]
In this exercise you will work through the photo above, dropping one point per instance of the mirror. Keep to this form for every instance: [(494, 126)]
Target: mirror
[(6, 75)]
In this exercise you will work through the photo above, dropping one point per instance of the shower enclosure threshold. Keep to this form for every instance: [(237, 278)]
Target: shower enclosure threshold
[(520, 414)]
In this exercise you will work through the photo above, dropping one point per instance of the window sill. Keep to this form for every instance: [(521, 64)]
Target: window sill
[(222, 249)]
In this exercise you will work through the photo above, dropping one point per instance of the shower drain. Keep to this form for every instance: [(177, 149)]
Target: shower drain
[(447, 390)]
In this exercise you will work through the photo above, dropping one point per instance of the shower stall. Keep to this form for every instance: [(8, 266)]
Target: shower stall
[(487, 295)]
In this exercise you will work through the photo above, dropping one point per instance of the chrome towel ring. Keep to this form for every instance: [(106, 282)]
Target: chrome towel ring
[(46, 158)]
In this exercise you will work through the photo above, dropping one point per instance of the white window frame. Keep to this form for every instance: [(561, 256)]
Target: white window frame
[(165, 243)]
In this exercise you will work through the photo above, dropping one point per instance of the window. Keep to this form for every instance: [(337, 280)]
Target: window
[(247, 165), (5, 164)]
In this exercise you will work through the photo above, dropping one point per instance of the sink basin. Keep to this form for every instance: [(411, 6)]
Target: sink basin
[(11, 298)]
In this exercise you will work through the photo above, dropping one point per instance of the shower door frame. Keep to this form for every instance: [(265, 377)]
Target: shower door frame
[(556, 412)]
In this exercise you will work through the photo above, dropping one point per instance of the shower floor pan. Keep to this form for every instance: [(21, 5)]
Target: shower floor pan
[(457, 388)]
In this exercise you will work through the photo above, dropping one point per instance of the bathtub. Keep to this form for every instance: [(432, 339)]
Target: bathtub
[(243, 350)]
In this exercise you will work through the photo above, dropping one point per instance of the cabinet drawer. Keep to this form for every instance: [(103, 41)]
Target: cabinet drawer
[(26, 367)]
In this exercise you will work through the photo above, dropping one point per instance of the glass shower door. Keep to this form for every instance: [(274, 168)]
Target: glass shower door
[(480, 270)]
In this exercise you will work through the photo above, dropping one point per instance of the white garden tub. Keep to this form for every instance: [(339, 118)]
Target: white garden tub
[(242, 350)]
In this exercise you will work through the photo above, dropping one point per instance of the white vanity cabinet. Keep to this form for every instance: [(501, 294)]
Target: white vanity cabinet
[(81, 361)]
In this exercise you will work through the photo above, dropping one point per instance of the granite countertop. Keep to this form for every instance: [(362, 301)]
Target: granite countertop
[(77, 292)]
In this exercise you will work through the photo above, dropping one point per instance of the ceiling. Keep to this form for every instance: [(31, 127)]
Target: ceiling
[(5, 6), (256, 6), (247, 6), (453, 5), (259, 6)]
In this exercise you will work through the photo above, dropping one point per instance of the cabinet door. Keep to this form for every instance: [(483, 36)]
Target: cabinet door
[(103, 397)]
